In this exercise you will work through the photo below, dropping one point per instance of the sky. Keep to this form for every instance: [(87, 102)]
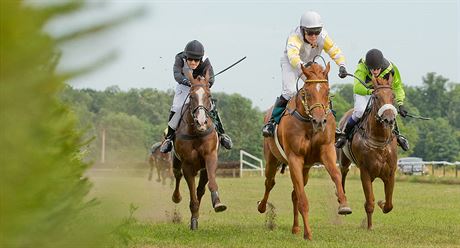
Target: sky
[(419, 36)]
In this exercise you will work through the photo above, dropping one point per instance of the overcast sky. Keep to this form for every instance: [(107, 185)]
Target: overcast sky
[(419, 36)]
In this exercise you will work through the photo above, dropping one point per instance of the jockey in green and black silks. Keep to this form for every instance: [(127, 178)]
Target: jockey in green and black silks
[(374, 65)]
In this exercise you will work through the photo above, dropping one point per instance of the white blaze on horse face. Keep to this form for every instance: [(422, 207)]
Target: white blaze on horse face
[(386, 107), (201, 114), (318, 87)]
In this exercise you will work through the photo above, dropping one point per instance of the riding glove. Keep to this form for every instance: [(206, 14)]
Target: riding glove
[(402, 111), (342, 71)]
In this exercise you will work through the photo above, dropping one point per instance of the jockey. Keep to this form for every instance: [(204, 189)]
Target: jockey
[(374, 65), (303, 44), (194, 59)]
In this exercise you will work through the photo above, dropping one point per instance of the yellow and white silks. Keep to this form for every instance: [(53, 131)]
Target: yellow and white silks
[(299, 51)]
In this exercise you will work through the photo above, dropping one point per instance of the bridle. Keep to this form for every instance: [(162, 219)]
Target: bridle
[(202, 107), (308, 108), (384, 107)]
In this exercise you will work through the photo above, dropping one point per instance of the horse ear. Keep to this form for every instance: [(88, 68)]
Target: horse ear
[(328, 68), (390, 79), (189, 75), (206, 76), (374, 80)]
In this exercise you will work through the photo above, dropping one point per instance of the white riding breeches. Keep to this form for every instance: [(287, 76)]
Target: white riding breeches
[(289, 77), (180, 97), (360, 105)]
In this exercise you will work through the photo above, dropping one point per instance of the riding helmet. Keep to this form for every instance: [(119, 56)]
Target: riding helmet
[(311, 19), (375, 59), (194, 50)]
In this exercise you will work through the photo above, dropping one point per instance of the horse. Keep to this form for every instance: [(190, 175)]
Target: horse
[(304, 136), (195, 149), (162, 162), (373, 147)]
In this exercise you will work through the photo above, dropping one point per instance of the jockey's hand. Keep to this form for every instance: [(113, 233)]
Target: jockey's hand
[(342, 71), (402, 111)]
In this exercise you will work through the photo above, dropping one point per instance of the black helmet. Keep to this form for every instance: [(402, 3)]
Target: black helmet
[(194, 50), (375, 59)]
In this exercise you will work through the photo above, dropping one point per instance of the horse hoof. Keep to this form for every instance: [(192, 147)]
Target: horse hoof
[(194, 224), (158, 180), (381, 204), (344, 210), (176, 199), (220, 207), (261, 207), (296, 230)]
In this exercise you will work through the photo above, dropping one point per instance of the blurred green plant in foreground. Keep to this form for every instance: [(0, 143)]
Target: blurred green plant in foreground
[(42, 187)]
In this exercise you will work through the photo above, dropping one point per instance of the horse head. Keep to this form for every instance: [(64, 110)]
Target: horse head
[(315, 95), (382, 100), (200, 101)]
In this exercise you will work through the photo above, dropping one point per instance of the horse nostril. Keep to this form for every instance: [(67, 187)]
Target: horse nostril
[(324, 121)]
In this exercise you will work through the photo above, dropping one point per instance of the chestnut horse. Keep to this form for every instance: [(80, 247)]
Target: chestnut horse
[(195, 149), (306, 136), (373, 146), (162, 162)]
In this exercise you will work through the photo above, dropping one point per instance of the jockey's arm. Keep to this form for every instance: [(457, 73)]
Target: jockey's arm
[(293, 45), (358, 87), (333, 51), (177, 70), (397, 87)]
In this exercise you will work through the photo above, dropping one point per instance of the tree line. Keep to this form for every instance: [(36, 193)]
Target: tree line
[(133, 120)]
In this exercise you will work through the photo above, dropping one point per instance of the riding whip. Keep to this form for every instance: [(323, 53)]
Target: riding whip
[(230, 66), (418, 117)]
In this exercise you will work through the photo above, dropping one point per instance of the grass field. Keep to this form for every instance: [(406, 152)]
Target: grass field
[(424, 215)]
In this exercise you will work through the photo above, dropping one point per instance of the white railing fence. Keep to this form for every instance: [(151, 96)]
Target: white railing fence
[(255, 165)]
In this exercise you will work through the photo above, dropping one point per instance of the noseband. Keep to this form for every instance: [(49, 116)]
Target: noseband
[(384, 107)]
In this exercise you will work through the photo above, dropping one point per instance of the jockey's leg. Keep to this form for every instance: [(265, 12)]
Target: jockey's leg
[(224, 139), (278, 109), (346, 132), (166, 146), (402, 141)]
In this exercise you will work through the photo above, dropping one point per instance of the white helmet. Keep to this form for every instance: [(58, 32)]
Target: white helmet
[(311, 19)]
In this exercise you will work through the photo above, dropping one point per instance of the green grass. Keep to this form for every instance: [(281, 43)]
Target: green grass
[(424, 215)]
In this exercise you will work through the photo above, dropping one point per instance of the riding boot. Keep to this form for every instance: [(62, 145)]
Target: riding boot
[(342, 139), (224, 139), (280, 105), (402, 141), (166, 146)]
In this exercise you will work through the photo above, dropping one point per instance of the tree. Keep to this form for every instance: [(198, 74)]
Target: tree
[(438, 141)]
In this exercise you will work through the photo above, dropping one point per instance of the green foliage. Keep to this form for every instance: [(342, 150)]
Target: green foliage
[(438, 141), (41, 183)]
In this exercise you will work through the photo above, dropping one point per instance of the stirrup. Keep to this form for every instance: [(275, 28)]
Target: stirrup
[(402, 142), (341, 141), (226, 141), (166, 146), (269, 129)]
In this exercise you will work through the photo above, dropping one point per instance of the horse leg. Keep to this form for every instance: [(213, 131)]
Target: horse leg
[(194, 204), (328, 157), (296, 169), (201, 185), (295, 225), (344, 164), (151, 170), (157, 165), (211, 167), (387, 205), (369, 194), (163, 173), (176, 197), (271, 167)]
